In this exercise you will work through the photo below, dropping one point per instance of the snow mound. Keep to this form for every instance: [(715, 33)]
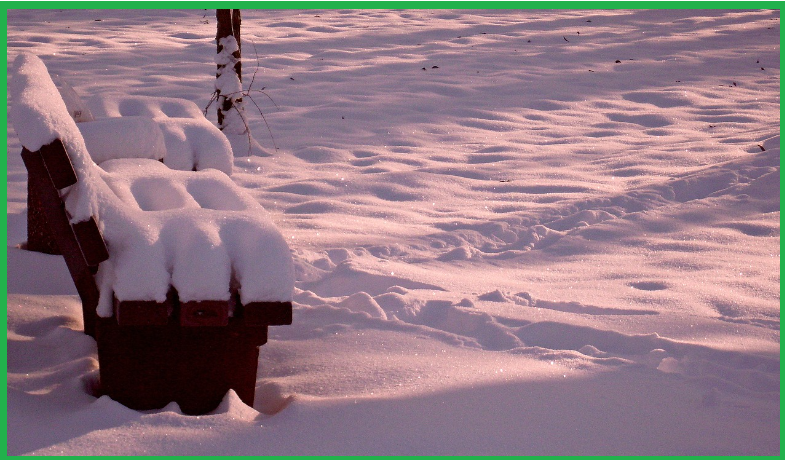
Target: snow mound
[(126, 137), (235, 408), (346, 280), (363, 302), (120, 105), (494, 296), (191, 142), (459, 253), (271, 399)]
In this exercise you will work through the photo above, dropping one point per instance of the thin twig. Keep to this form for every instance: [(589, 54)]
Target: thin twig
[(247, 93), (213, 98), (265, 121), (247, 128), (253, 78)]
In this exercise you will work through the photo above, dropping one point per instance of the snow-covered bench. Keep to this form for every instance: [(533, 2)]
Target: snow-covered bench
[(179, 272)]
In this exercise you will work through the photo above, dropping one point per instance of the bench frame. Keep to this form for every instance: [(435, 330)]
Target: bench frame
[(149, 353)]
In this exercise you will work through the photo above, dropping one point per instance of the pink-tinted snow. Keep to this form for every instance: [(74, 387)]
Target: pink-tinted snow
[(514, 232)]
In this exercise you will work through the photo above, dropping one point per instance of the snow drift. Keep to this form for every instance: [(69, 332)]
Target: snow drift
[(514, 232)]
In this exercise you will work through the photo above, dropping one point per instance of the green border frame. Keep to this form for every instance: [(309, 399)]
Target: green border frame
[(357, 4)]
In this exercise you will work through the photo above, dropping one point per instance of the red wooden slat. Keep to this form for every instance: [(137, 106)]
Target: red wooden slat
[(58, 164), (91, 242), (60, 229), (39, 236), (142, 312), (267, 313), (204, 313)]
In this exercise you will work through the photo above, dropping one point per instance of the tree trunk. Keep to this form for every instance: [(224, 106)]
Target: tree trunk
[(228, 26), (236, 20)]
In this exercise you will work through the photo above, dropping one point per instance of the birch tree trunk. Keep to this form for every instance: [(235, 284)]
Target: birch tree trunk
[(229, 72), (228, 85)]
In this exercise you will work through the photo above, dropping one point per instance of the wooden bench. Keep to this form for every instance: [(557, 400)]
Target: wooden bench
[(150, 353)]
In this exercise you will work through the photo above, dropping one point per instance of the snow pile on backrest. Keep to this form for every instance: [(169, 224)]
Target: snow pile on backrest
[(76, 106), (40, 116), (121, 105), (195, 231), (126, 137), (192, 142)]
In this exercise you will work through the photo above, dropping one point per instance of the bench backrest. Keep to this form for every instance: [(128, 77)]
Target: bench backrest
[(40, 117)]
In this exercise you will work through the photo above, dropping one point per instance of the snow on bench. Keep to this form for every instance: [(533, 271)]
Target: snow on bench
[(168, 129), (171, 130), (150, 246)]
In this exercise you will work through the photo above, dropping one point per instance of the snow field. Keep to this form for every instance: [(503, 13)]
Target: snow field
[(504, 240)]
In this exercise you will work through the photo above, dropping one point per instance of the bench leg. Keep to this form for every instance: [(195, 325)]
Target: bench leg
[(146, 367), (214, 360), (135, 363)]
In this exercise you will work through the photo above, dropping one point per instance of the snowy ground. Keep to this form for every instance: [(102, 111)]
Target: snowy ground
[(537, 232)]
